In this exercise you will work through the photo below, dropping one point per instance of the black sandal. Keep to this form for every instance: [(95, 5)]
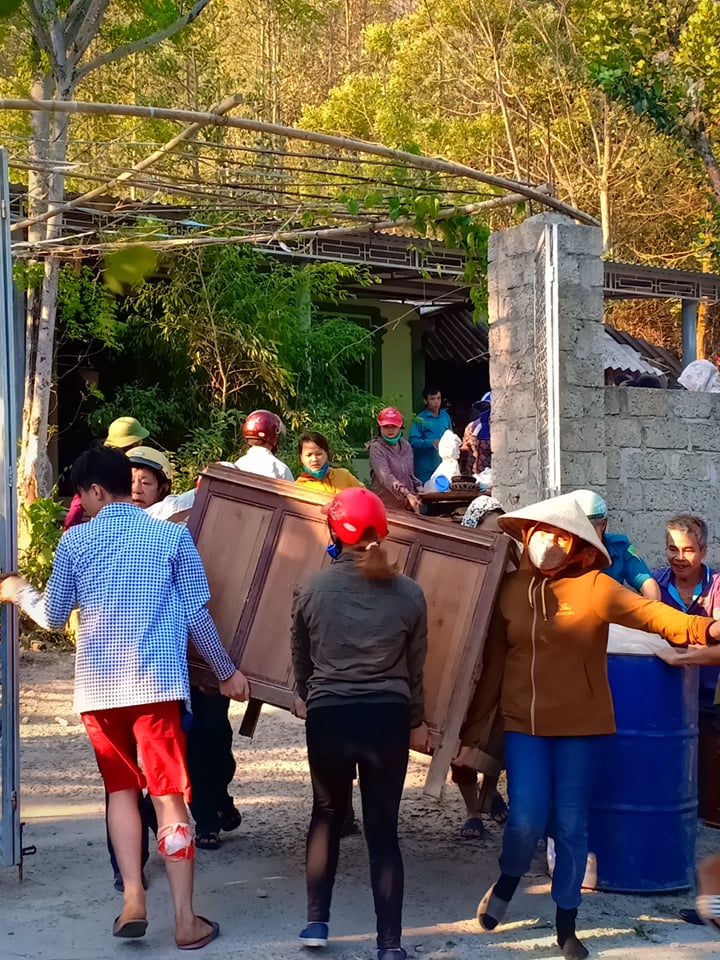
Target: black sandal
[(207, 841), (688, 915), (498, 809)]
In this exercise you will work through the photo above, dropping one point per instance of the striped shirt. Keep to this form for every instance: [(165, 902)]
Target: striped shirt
[(391, 472), (141, 589)]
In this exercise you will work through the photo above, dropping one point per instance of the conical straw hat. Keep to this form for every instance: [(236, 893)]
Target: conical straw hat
[(563, 512)]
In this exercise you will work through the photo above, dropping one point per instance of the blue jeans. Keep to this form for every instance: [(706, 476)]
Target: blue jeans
[(550, 782)]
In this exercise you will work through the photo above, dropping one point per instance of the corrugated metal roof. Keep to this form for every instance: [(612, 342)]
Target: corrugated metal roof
[(620, 357), (665, 360), (455, 337)]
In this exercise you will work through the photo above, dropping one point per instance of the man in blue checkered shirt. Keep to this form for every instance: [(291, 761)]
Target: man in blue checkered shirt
[(141, 590)]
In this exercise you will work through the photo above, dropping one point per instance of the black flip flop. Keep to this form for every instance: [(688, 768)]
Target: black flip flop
[(473, 829), (130, 929), (498, 809), (688, 915), (203, 941)]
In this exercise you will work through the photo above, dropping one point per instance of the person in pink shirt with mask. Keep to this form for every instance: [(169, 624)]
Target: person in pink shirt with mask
[(392, 464)]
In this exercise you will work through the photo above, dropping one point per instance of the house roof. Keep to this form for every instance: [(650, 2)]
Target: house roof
[(452, 335), (659, 357), (622, 358)]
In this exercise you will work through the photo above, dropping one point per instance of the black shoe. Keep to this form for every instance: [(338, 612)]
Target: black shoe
[(690, 916), (230, 818), (349, 828), (572, 948)]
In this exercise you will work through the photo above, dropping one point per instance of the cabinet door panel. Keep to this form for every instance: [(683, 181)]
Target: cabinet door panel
[(259, 537), (230, 542)]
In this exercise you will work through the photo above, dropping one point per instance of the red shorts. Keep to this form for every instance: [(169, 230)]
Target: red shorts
[(150, 732)]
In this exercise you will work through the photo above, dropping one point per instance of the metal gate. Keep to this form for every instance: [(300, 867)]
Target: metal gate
[(10, 842), (546, 359)]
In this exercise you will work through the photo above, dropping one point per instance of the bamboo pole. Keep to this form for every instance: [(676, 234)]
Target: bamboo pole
[(186, 134), (433, 164), (445, 213), (278, 236), (323, 233)]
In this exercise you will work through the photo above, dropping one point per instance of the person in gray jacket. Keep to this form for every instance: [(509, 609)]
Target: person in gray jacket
[(359, 641)]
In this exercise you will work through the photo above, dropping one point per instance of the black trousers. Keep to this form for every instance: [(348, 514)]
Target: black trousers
[(210, 760), (375, 737)]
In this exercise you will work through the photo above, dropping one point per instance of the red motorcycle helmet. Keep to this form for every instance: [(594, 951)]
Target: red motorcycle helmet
[(390, 417), (352, 511), (263, 425)]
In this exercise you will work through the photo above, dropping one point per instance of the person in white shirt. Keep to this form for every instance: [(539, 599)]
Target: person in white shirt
[(171, 505), (262, 430)]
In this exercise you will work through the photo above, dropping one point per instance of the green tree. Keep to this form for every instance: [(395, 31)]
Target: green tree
[(503, 86), (229, 330), (67, 43), (662, 58)]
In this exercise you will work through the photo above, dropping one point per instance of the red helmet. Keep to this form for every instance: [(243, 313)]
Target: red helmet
[(263, 425), (390, 417), (352, 511)]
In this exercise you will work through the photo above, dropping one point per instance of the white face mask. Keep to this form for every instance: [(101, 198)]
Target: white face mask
[(544, 554)]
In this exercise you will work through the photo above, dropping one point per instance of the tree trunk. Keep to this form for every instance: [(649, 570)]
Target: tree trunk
[(34, 469), (46, 189), (60, 42), (604, 183), (702, 145)]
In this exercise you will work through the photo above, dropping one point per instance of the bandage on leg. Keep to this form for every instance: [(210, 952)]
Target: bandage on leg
[(176, 841)]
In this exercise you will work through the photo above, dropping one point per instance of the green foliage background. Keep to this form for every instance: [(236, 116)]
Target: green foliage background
[(223, 331)]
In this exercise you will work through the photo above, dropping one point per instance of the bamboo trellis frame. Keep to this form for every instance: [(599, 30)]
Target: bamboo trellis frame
[(283, 195)]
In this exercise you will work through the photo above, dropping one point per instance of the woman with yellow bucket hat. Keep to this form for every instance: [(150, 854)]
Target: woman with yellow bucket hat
[(124, 433)]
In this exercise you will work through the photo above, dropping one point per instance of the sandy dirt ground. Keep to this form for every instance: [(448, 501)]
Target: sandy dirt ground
[(254, 885)]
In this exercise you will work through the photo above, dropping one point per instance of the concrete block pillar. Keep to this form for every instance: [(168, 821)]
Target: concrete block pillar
[(545, 286)]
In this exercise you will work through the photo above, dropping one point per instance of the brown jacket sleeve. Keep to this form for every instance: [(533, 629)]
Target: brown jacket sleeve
[(485, 704), (616, 604)]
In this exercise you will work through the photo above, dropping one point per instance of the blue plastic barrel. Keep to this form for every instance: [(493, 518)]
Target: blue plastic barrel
[(644, 815)]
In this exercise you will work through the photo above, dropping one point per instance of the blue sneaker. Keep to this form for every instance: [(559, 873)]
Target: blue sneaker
[(315, 935), (392, 953)]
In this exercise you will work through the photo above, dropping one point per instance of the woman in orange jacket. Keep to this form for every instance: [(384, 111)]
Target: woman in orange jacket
[(546, 658)]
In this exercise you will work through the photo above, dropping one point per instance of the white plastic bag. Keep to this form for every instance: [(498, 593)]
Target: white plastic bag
[(449, 450)]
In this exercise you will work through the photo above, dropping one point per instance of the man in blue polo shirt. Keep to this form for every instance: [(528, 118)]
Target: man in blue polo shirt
[(626, 566), (429, 425)]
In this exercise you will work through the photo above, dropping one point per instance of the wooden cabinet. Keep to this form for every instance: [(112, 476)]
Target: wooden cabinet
[(259, 537)]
